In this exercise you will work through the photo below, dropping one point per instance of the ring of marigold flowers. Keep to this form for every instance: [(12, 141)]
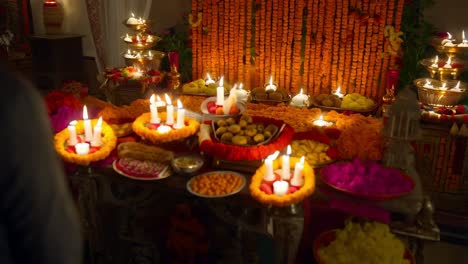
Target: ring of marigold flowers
[(288, 199), (140, 127), (109, 142)]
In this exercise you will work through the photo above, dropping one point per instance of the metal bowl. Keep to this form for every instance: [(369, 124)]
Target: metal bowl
[(438, 97), (187, 163)]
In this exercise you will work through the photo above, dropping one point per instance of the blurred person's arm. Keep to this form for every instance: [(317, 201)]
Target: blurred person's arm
[(38, 213)]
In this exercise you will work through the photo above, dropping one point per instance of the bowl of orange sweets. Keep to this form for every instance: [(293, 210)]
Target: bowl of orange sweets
[(216, 184)]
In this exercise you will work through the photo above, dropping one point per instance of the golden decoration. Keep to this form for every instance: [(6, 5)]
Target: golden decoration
[(196, 23)]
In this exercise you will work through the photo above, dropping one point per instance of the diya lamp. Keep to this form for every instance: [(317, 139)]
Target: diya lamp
[(270, 86), (132, 20), (321, 123), (464, 42), (448, 42), (208, 80), (436, 62), (300, 99), (338, 93), (448, 64), (428, 84)]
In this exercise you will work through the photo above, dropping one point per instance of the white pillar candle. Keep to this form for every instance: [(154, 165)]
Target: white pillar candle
[(180, 115), (97, 142), (269, 174), (285, 167), (169, 111), (72, 139), (82, 148), (220, 92), (163, 129), (87, 125), (280, 187), (297, 179), (154, 111)]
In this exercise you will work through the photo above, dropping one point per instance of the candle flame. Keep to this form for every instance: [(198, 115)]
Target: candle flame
[(168, 99), (321, 117), (152, 99), (129, 52), (436, 60), (288, 151), (85, 113), (271, 80), (302, 160), (428, 83), (138, 39), (444, 86), (338, 90), (99, 122), (179, 104), (208, 77), (449, 36), (73, 123), (457, 87), (300, 92), (448, 64), (273, 156), (240, 86), (133, 15), (149, 54), (221, 81)]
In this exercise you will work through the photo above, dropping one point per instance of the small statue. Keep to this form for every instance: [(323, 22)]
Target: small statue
[(173, 78)]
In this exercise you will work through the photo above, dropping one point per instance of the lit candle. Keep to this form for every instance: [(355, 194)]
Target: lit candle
[(97, 142), (138, 39), (128, 55), (169, 111), (220, 93), (464, 42), (163, 129), (208, 80), (141, 21), (159, 102), (338, 92), (154, 111), (127, 38), (299, 99), (285, 168), (448, 41), (242, 94), (72, 139), (269, 174), (180, 115), (321, 123), (271, 86), (150, 55), (435, 63), (87, 125), (298, 179), (448, 64), (82, 148), (280, 188)]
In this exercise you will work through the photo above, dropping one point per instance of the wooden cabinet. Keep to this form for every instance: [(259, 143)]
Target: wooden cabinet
[(56, 58)]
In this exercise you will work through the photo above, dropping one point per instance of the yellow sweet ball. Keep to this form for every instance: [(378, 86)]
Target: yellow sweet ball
[(367, 243)]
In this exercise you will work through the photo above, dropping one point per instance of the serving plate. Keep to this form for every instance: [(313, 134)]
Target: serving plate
[(159, 171), (189, 184)]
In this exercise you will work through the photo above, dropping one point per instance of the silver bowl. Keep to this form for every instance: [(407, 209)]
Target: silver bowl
[(187, 163)]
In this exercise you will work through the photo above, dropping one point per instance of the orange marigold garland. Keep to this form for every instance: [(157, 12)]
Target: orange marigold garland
[(288, 199), (141, 129), (108, 144)]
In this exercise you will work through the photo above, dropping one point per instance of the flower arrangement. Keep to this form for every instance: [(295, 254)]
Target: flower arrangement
[(109, 142), (288, 199), (141, 128)]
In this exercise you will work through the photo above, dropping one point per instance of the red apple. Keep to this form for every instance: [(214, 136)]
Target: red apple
[(210, 104), (212, 109)]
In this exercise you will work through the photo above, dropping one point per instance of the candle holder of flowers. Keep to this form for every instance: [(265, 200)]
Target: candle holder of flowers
[(296, 189), (68, 152)]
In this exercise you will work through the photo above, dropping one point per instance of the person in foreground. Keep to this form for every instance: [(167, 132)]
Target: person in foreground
[(38, 219)]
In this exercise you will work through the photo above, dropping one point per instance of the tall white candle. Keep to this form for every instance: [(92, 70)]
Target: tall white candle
[(280, 188), (82, 148), (97, 142), (87, 125), (285, 167), (297, 179), (220, 92), (72, 139), (169, 111), (180, 115), (269, 174), (154, 111)]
